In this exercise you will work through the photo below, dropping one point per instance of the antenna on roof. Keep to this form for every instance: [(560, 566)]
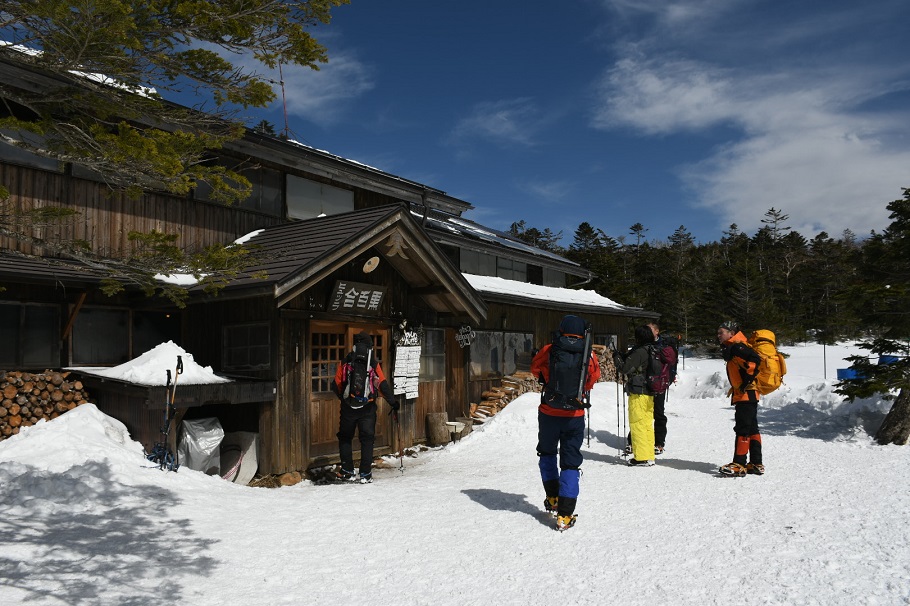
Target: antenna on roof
[(284, 104)]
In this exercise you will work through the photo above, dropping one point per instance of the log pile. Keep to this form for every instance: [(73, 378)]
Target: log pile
[(26, 398), (497, 398), (521, 382), (604, 356)]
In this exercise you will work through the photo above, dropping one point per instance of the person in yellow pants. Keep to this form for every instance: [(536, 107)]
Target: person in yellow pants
[(641, 401)]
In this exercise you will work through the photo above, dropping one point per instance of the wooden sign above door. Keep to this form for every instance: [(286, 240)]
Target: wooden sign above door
[(348, 296)]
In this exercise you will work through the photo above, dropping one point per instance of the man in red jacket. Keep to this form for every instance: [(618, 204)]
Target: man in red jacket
[(561, 415), (358, 380)]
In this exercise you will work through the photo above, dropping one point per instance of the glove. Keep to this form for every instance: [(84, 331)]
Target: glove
[(395, 404)]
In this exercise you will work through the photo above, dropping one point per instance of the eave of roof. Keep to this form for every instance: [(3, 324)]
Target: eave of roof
[(295, 256)]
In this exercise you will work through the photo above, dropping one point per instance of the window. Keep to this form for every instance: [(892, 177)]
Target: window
[(246, 346), (10, 326), (308, 199), (497, 354), (607, 340), (552, 277), (31, 335), (517, 352), (151, 328), (511, 270), (101, 337), (433, 355), (486, 355), (266, 195), (327, 350), (473, 262)]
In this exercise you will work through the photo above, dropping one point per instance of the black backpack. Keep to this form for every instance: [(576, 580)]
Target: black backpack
[(566, 366), (359, 376)]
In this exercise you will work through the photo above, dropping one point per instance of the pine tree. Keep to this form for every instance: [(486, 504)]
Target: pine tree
[(106, 69), (882, 299)]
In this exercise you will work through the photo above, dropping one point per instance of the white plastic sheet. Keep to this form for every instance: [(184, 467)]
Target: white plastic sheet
[(200, 447)]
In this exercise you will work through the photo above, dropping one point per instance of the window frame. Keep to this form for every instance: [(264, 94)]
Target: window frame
[(227, 348)]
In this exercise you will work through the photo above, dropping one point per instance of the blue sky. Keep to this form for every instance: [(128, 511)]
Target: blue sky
[(700, 113)]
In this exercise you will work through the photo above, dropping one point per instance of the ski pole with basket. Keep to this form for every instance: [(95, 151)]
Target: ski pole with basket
[(164, 453)]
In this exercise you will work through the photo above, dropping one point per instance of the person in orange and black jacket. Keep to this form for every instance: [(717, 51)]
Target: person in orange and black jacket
[(742, 368), (360, 414), (561, 415)]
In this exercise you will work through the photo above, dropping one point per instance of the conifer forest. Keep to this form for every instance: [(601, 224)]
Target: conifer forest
[(819, 287)]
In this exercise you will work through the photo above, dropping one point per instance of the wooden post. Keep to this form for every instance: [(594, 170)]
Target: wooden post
[(437, 430)]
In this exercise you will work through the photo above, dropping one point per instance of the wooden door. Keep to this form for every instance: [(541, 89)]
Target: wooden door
[(330, 342)]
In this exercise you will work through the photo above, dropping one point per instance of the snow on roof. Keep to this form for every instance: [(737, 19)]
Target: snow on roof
[(144, 91), (466, 227), (501, 286), (151, 368)]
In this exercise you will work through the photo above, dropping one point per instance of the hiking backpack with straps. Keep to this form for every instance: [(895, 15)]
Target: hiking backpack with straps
[(567, 365), (359, 372), (661, 361), (772, 368)]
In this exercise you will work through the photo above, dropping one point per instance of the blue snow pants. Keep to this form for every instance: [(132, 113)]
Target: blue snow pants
[(560, 436)]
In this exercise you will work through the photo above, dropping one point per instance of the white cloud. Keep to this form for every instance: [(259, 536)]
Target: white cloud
[(806, 139), (549, 191), (320, 96), (507, 122), (664, 97)]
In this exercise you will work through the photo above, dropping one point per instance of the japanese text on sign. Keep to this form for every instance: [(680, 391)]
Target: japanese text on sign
[(356, 297)]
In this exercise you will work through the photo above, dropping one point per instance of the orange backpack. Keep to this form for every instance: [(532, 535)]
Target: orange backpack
[(773, 367)]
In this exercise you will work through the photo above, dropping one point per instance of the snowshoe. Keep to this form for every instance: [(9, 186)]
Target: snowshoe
[(755, 469), (733, 470), (551, 504), (565, 522), (637, 463)]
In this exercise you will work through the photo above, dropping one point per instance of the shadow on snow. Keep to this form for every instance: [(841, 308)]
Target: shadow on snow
[(497, 500), (619, 443), (119, 549)]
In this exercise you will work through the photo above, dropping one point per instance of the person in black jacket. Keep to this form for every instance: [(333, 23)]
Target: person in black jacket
[(359, 413), (660, 415), (634, 366)]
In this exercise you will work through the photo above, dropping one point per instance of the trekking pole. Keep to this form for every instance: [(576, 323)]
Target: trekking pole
[(400, 443), (588, 412), (624, 432), (162, 451), (617, 414), (178, 370)]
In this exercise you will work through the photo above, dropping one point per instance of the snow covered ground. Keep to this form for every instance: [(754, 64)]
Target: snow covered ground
[(86, 521)]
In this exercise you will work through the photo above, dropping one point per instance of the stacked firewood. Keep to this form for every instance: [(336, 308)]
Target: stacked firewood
[(497, 398), (521, 382), (26, 398), (604, 356)]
